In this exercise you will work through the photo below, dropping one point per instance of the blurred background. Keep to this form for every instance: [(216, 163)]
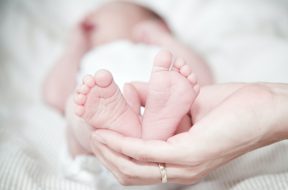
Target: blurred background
[(242, 40)]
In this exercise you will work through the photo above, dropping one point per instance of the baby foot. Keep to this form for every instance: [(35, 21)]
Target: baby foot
[(100, 103), (171, 92)]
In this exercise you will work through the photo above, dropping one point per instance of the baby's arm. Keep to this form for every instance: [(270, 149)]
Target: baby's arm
[(61, 80)]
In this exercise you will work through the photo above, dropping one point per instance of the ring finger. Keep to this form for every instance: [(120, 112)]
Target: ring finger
[(128, 171)]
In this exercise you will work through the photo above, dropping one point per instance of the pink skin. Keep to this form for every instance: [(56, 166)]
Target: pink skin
[(172, 90), (97, 28), (237, 119), (154, 32), (115, 20), (60, 81), (111, 22), (100, 103)]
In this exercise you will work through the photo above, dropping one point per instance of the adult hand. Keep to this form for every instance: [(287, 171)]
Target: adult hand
[(241, 123)]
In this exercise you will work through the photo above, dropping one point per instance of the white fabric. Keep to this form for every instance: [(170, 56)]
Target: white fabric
[(243, 40), (126, 61)]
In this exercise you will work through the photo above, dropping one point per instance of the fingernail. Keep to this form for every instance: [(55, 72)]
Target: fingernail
[(98, 138)]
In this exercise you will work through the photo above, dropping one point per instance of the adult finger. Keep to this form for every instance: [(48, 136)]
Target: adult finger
[(97, 152), (151, 151), (132, 172), (126, 170)]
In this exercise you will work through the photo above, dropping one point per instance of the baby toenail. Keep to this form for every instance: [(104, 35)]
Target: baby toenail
[(103, 78)]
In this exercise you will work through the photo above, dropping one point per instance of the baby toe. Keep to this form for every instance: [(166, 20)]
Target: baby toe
[(162, 61), (103, 78), (185, 70), (192, 78), (89, 81), (179, 62), (83, 89), (79, 99)]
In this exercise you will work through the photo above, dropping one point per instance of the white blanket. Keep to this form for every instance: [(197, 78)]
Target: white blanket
[(125, 60), (243, 40)]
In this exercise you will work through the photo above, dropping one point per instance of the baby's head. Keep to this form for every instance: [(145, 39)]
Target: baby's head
[(118, 19)]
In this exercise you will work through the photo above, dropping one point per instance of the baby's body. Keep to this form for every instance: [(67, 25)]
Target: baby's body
[(99, 102)]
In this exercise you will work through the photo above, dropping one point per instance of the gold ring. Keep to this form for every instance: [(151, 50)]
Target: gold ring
[(163, 173)]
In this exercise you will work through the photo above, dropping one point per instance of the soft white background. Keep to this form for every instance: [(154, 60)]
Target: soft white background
[(243, 40)]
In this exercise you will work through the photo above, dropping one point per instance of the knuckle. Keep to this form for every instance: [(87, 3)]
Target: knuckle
[(143, 156), (127, 172), (197, 174), (124, 181), (122, 149)]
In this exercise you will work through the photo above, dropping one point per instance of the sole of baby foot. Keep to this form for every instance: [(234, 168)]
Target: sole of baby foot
[(100, 103), (171, 93)]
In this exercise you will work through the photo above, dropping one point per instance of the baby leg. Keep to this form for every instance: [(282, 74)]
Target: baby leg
[(151, 32)]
